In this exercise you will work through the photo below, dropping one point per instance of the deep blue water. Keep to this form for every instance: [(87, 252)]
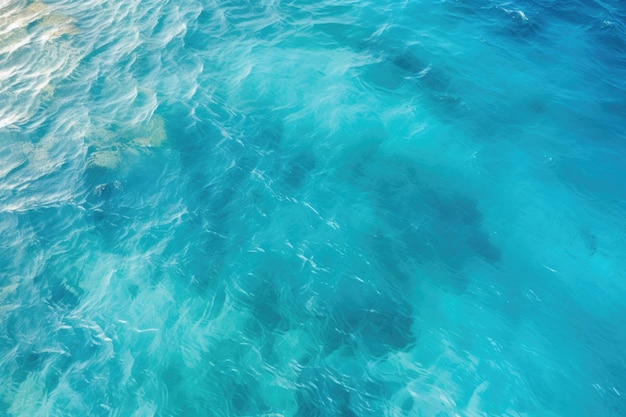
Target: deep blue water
[(313, 208)]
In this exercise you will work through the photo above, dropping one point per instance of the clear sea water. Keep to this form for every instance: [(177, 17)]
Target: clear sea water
[(313, 208)]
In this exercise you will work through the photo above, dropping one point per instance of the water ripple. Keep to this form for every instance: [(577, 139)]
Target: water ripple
[(319, 208)]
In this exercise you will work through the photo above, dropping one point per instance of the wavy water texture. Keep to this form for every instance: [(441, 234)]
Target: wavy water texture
[(314, 208)]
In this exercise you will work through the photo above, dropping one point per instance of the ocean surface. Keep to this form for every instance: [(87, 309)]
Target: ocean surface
[(313, 208)]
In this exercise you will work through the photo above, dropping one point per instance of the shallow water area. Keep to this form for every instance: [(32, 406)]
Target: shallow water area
[(312, 208)]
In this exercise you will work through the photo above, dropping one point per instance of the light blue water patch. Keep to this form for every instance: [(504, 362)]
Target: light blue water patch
[(329, 208)]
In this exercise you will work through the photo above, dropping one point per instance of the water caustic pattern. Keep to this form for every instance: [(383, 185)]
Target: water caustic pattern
[(312, 208)]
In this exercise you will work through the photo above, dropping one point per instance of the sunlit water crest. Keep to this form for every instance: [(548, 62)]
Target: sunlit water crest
[(312, 208)]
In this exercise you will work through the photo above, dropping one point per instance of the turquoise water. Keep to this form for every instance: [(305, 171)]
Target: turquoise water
[(312, 208)]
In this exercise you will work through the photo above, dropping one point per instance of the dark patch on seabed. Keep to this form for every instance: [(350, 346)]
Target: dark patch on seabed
[(374, 327), (116, 199), (297, 168), (397, 65), (218, 179), (430, 224)]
